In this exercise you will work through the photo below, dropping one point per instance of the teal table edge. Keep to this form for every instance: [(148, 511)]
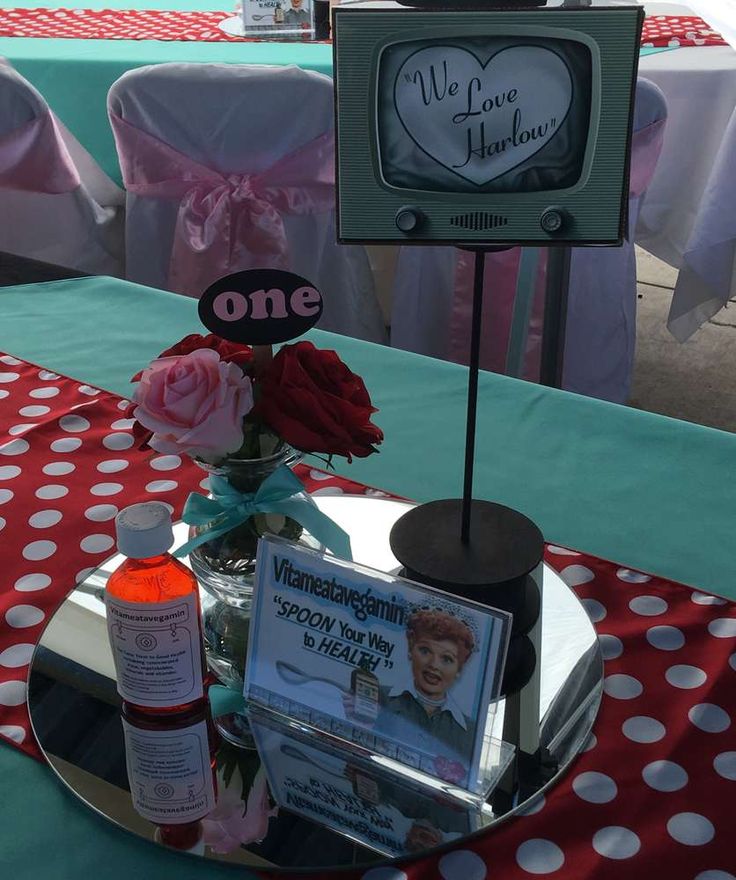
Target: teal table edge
[(43, 810), (643, 490)]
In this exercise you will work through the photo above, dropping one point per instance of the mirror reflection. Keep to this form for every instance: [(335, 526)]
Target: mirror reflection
[(292, 800)]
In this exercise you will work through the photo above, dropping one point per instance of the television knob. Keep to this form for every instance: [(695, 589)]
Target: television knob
[(552, 219), (408, 219)]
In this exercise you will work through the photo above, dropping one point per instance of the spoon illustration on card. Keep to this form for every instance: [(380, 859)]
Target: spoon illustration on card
[(291, 675)]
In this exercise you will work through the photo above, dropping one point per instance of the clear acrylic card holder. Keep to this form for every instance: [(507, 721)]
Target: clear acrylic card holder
[(396, 673), (369, 803)]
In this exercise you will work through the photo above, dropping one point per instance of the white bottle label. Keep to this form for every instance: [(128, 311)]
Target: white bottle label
[(169, 773), (157, 650)]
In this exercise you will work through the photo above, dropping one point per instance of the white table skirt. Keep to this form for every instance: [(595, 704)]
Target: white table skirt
[(688, 215)]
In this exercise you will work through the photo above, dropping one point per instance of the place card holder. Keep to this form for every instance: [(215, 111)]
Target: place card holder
[(358, 798), (363, 687), (496, 762)]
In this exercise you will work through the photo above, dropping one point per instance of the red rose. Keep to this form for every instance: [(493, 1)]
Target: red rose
[(315, 403), (141, 435), (230, 352)]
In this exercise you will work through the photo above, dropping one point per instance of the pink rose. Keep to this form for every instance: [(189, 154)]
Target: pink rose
[(232, 822), (194, 404)]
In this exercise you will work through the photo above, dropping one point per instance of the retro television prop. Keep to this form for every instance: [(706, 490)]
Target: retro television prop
[(500, 126)]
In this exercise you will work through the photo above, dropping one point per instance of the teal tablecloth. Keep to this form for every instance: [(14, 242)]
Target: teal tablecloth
[(75, 75), (646, 491)]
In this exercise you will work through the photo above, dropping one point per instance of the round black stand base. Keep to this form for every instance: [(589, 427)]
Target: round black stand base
[(494, 567), (525, 619), (491, 568)]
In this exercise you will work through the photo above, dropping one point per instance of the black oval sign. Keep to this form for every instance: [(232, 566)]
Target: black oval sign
[(260, 306)]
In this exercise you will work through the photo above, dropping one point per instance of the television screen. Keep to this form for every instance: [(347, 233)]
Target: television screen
[(500, 126), (484, 115)]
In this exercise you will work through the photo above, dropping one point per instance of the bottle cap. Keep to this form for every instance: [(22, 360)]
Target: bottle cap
[(144, 530)]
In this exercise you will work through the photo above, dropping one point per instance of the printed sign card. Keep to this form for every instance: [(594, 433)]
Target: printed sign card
[(277, 16), (480, 119), (260, 306), (388, 665), (492, 115), (501, 125)]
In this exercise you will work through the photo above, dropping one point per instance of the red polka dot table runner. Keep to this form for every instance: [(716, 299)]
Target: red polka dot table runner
[(154, 24), (652, 792)]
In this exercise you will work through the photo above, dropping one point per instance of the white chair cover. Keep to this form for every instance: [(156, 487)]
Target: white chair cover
[(430, 318), (238, 120), (56, 204)]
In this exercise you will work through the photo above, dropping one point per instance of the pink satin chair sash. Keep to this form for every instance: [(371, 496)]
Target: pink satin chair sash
[(33, 158), (499, 287), (646, 145), (500, 277), (226, 222)]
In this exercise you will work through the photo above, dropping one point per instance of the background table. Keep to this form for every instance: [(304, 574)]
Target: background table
[(688, 217), (75, 75), (650, 492), (688, 214)]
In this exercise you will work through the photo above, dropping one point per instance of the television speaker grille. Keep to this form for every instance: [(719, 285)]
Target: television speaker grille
[(479, 220)]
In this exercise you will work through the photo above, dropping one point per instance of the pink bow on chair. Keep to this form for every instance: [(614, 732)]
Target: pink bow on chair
[(646, 145), (226, 222), (33, 158)]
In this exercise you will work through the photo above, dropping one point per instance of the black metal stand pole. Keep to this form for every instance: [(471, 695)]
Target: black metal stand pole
[(555, 317), (480, 259), (480, 252)]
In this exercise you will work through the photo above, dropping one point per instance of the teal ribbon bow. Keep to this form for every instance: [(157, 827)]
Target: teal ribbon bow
[(225, 701), (229, 508)]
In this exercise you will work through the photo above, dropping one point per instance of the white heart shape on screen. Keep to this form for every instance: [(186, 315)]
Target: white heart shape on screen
[(480, 120)]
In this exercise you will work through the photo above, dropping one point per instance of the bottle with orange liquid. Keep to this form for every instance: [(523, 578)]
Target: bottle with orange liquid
[(153, 617)]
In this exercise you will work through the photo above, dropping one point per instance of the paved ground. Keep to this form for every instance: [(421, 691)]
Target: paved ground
[(695, 381)]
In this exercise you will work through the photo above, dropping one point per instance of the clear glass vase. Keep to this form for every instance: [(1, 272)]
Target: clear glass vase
[(225, 566), (225, 569)]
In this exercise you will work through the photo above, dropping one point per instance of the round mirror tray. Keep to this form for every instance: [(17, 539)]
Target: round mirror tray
[(370, 814)]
